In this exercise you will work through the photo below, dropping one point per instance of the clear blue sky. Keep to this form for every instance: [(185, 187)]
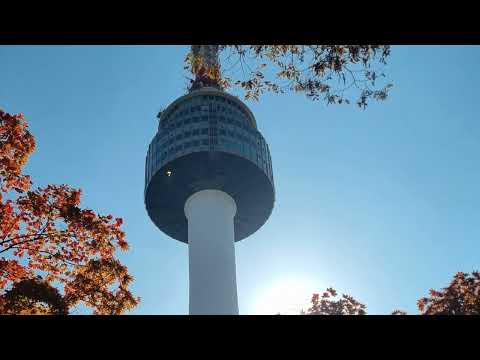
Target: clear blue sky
[(382, 204)]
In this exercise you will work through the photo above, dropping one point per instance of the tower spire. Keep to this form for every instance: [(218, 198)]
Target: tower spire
[(205, 66)]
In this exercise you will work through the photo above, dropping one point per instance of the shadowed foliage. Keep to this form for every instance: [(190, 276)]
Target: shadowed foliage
[(33, 297)]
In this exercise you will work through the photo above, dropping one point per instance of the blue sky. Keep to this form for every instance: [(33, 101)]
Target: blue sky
[(382, 204)]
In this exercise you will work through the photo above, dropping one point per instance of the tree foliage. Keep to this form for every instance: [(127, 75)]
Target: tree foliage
[(33, 297), (333, 73), (47, 240), (332, 304), (461, 297)]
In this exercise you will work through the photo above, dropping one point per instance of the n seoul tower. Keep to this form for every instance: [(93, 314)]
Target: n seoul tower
[(209, 183)]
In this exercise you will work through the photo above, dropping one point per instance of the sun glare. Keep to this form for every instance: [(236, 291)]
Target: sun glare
[(287, 297)]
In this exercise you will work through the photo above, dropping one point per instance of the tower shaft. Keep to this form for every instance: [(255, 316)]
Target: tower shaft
[(213, 286)]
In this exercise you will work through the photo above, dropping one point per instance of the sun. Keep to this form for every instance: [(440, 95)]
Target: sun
[(286, 296)]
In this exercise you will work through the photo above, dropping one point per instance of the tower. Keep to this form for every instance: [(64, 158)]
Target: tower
[(209, 182)]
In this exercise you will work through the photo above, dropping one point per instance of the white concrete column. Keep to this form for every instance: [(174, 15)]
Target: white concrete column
[(211, 252)]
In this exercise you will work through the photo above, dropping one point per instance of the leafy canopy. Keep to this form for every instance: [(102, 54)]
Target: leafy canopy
[(48, 242), (332, 304), (461, 297), (337, 74)]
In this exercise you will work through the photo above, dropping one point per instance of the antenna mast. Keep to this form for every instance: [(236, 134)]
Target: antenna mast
[(205, 66)]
